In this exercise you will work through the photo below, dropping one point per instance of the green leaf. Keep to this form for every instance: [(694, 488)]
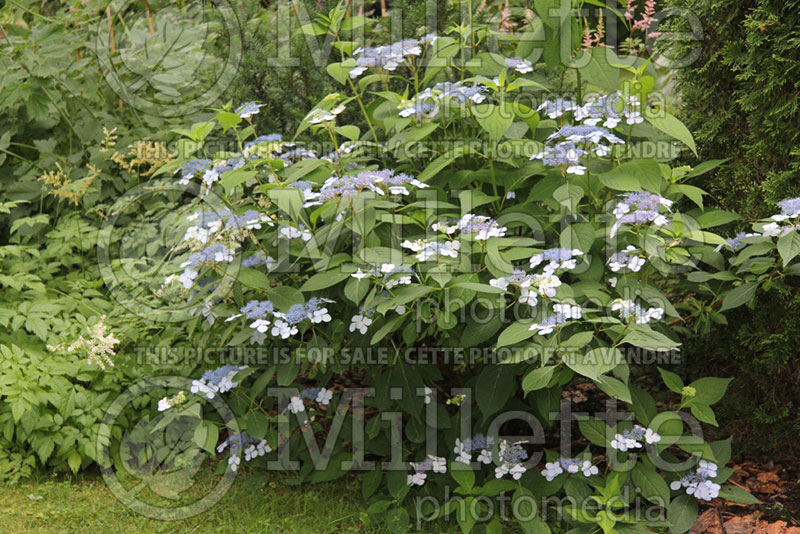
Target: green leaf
[(465, 518), (711, 218), (682, 513), (739, 295), (515, 333), (494, 119), (646, 338), (595, 431), (652, 486), (709, 390), (397, 520), (568, 195), (614, 388), (256, 424), (493, 388), (704, 413), (673, 127), (480, 288), (74, 461), (231, 179), (341, 71), (734, 494), (324, 280), (553, 12), (789, 246), (597, 69), (672, 381), (595, 362), (228, 120), (463, 475), (538, 378), (634, 175)]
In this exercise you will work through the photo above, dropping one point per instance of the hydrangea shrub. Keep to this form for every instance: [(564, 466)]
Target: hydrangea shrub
[(425, 297)]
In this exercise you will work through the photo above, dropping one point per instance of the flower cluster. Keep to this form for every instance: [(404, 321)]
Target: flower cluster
[(699, 483), (479, 442), (531, 285), (427, 249), (511, 456), (597, 109), (215, 253), (313, 310), (391, 275), (480, 226), (259, 258), (568, 144), (189, 169), (320, 395), (626, 259), (388, 57), (319, 115), (640, 208), (218, 380), (248, 109), (99, 346), (382, 182), (790, 211), (437, 464), (211, 223), (288, 231), (168, 402), (735, 242), (571, 466), (518, 64), (632, 439), (253, 448), (556, 258), (563, 313), (628, 309), (426, 103)]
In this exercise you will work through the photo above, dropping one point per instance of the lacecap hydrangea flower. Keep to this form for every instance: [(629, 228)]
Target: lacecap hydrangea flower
[(698, 483), (251, 447), (632, 439), (219, 380), (571, 466), (556, 258), (640, 208), (626, 259), (628, 309), (563, 313), (437, 464), (478, 443), (790, 211)]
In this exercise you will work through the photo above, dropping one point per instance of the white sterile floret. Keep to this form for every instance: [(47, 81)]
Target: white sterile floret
[(417, 479), (296, 405), (233, 462), (528, 297), (552, 470), (324, 396), (260, 325), (360, 323), (164, 404)]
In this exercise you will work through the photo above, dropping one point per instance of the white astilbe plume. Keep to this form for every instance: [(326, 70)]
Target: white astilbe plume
[(99, 345)]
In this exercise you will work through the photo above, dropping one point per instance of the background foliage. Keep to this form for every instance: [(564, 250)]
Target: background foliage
[(739, 99)]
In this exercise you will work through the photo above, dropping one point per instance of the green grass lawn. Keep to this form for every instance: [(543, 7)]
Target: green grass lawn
[(256, 503)]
